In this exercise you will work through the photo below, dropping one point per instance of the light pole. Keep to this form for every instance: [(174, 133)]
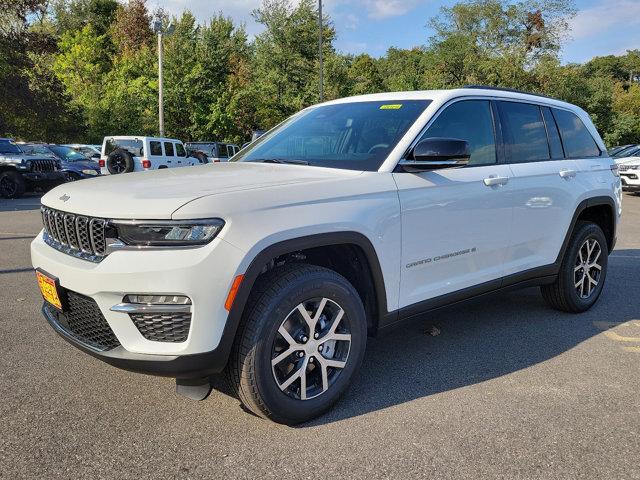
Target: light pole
[(320, 47), (157, 27)]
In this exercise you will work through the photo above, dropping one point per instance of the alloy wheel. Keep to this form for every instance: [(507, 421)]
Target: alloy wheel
[(587, 268), (311, 348)]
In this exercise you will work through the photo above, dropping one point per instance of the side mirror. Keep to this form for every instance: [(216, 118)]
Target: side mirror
[(435, 153)]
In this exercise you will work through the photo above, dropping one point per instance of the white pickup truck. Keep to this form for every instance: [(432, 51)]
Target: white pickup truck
[(137, 154)]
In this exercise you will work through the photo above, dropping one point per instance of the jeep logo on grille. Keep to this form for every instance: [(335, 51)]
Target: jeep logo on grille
[(65, 197)]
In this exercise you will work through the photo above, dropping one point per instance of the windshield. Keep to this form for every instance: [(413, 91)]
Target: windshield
[(67, 154), (133, 146), (353, 136), (36, 150), (7, 146)]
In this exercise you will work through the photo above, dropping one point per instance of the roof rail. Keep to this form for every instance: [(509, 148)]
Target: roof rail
[(504, 89)]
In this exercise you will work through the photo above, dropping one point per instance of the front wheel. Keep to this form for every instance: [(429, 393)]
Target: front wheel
[(582, 272), (12, 185), (302, 338)]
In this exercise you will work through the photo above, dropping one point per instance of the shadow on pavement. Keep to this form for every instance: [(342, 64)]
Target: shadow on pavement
[(29, 201), (480, 340)]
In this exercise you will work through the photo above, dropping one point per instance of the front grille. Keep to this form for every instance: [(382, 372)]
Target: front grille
[(43, 166), (624, 168), (83, 320), (163, 327), (76, 235)]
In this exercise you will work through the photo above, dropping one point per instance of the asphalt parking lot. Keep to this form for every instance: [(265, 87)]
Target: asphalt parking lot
[(507, 389)]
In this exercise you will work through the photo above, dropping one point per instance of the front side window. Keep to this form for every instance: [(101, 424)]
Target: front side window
[(168, 148), (468, 120), (524, 133), (180, 150), (353, 136), (576, 139), (155, 148)]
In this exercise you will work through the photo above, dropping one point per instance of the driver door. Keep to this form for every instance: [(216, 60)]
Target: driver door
[(456, 222)]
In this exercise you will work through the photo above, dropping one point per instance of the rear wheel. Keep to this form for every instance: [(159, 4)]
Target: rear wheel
[(582, 273), (12, 185), (302, 339)]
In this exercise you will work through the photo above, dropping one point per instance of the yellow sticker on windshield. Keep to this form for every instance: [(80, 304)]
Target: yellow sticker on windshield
[(391, 106)]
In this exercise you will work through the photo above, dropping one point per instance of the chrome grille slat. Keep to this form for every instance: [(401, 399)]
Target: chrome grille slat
[(70, 229), (59, 221), (76, 235)]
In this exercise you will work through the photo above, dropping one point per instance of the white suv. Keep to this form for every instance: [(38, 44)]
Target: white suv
[(344, 221), (629, 173), (137, 154)]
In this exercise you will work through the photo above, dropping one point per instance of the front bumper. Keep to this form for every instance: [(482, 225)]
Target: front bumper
[(203, 274), (630, 181), (177, 366), (49, 177)]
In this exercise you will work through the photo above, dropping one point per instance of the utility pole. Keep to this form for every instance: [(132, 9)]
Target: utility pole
[(320, 48), (160, 92), (158, 29)]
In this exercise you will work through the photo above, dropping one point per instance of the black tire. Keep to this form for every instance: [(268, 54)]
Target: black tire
[(274, 299), (120, 161), (73, 177), (12, 185), (563, 294), (201, 156)]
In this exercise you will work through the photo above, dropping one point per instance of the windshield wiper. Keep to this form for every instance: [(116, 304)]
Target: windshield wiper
[(282, 160)]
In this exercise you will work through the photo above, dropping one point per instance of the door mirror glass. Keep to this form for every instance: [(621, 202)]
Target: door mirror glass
[(434, 153)]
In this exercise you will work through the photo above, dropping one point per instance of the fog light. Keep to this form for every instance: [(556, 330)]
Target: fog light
[(157, 299)]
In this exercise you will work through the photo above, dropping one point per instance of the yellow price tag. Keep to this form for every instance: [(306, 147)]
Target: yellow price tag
[(391, 106)]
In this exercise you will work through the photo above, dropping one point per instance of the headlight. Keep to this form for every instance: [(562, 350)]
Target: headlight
[(89, 172), (167, 233)]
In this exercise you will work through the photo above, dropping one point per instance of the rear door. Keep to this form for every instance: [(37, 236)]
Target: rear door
[(544, 181), (456, 221)]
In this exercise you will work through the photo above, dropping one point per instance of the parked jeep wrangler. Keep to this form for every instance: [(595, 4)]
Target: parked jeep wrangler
[(342, 222), (20, 172)]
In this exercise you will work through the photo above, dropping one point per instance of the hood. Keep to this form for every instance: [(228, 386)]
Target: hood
[(157, 194), (628, 161), (19, 157)]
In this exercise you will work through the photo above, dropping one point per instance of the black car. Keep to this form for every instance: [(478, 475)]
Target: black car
[(21, 172)]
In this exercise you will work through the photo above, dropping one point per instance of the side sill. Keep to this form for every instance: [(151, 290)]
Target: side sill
[(530, 278)]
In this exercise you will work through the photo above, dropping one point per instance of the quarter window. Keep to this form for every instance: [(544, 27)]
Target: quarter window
[(155, 148), (576, 139), (469, 120), (524, 133), (168, 148), (180, 150)]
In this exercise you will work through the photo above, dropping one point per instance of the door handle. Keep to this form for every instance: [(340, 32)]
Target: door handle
[(567, 173), (494, 180)]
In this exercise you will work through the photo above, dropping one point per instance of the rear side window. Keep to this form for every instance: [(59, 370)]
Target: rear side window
[(469, 120), (180, 150), (133, 146), (555, 145), (524, 133), (576, 139), (168, 148), (155, 148), (221, 149)]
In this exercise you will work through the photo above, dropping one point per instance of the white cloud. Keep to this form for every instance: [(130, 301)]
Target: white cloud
[(594, 21), (389, 8)]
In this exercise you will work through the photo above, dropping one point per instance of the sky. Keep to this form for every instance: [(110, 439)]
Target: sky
[(601, 27)]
